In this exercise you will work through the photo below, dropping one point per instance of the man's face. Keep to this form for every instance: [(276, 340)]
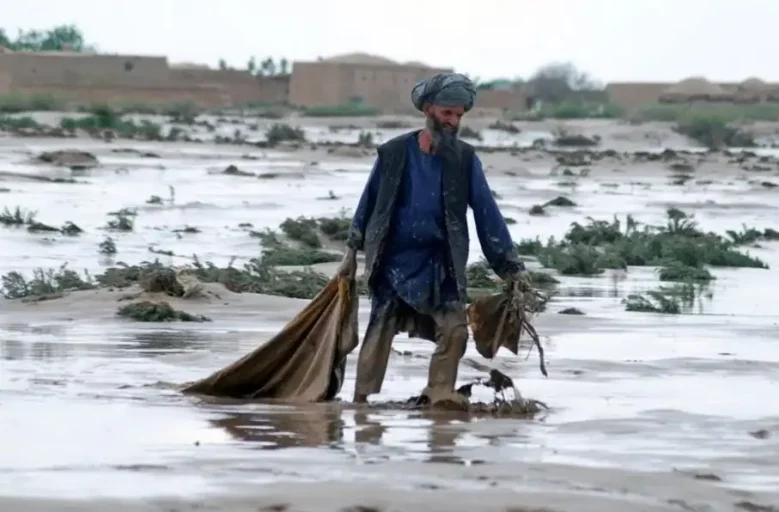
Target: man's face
[(444, 120)]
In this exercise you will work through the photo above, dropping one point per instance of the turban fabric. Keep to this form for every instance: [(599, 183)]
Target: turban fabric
[(446, 90)]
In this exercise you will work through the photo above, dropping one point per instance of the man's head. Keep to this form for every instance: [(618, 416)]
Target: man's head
[(444, 99)]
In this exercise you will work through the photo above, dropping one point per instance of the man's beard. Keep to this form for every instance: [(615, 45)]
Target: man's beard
[(443, 135)]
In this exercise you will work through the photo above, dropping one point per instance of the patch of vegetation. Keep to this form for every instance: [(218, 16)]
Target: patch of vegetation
[(303, 230), (680, 248), (104, 118), (729, 111), (308, 230), (148, 311), (365, 140), (469, 133), (19, 217), (280, 132), (289, 256), (346, 110), (107, 246), (714, 132), (653, 301), (16, 103), (8, 123), (276, 253), (16, 217), (257, 276), (479, 276), (581, 110), (122, 220), (504, 126), (44, 283), (336, 228)]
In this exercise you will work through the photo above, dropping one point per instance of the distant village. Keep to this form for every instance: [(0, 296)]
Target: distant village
[(358, 80)]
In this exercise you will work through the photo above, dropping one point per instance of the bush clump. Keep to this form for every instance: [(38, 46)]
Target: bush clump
[(148, 311), (679, 248), (714, 132), (280, 132)]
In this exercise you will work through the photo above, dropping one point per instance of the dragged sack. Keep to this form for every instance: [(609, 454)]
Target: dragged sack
[(305, 362)]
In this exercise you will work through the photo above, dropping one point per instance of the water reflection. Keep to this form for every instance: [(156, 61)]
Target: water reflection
[(441, 441), (173, 341), (367, 431), (311, 427), (17, 350)]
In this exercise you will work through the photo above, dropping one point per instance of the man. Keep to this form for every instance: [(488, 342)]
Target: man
[(411, 222)]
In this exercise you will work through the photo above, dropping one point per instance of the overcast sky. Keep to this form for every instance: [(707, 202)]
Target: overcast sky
[(613, 40)]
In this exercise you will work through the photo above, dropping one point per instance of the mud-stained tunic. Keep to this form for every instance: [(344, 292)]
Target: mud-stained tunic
[(415, 264)]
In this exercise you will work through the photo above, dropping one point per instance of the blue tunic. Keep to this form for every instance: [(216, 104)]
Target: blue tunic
[(414, 263)]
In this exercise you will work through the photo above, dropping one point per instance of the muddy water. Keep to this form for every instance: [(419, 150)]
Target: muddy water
[(649, 412)]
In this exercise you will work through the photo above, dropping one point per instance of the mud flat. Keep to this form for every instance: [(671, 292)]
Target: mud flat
[(649, 411)]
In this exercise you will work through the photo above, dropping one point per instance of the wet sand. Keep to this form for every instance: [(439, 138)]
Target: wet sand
[(649, 412)]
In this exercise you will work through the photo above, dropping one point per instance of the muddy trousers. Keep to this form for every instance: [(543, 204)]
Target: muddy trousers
[(451, 337)]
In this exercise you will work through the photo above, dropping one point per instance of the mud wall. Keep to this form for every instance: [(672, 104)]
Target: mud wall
[(126, 79), (500, 99), (242, 87), (74, 69), (633, 95), (319, 84), (203, 96)]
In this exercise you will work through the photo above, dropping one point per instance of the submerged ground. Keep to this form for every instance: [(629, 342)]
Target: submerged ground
[(649, 411)]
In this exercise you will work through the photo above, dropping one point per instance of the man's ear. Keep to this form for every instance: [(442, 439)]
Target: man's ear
[(426, 108)]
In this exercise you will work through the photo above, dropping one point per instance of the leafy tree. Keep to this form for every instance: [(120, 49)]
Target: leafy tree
[(251, 66), (268, 67), (284, 66), (556, 82), (222, 64), (56, 39)]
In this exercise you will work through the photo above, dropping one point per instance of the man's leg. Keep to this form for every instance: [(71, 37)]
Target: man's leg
[(375, 351), (451, 340)]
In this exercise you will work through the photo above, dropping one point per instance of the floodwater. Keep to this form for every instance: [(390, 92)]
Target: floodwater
[(649, 412)]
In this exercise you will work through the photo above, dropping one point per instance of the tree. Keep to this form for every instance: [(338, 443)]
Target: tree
[(222, 64), (62, 37), (268, 67), (251, 66), (284, 66), (556, 82)]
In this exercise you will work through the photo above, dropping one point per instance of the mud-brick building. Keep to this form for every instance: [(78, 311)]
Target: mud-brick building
[(356, 78), (635, 95), (123, 79), (378, 82)]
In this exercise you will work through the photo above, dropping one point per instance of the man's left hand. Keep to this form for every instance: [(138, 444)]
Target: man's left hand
[(520, 282)]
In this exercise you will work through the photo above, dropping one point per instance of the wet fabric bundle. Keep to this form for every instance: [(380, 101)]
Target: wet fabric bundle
[(499, 320), (305, 362)]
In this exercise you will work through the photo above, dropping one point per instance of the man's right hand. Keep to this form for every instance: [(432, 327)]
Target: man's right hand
[(348, 266)]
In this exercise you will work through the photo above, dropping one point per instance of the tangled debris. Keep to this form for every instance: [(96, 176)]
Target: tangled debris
[(501, 406)]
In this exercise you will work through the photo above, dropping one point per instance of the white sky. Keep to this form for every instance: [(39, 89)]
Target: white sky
[(613, 40)]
